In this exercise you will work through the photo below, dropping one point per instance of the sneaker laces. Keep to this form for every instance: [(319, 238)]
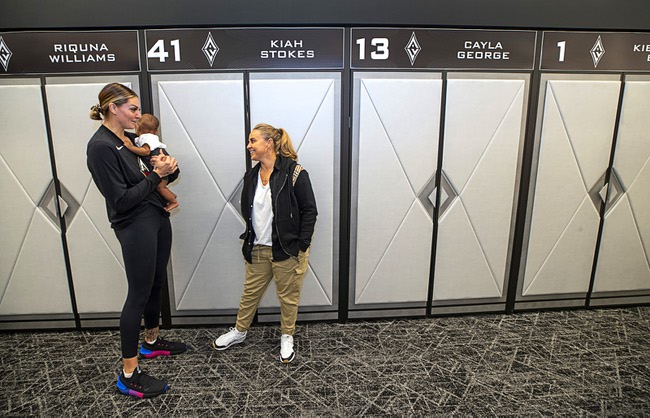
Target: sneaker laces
[(234, 331), (160, 341), (286, 342)]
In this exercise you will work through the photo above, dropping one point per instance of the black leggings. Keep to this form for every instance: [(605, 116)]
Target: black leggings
[(146, 244)]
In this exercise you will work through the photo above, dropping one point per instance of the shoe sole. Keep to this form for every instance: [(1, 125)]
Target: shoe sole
[(224, 347), (288, 360), (153, 354), (121, 387), (146, 353)]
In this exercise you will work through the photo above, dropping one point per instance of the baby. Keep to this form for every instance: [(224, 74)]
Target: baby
[(145, 145)]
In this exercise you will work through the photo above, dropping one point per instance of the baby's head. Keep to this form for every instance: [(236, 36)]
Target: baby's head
[(148, 124)]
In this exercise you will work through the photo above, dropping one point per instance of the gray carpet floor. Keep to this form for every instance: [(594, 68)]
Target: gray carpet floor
[(561, 363)]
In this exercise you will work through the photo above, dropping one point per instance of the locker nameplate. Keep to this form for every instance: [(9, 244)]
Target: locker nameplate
[(68, 52), (237, 49), (442, 49), (594, 51)]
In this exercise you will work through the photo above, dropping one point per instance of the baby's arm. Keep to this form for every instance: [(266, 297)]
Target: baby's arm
[(142, 151)]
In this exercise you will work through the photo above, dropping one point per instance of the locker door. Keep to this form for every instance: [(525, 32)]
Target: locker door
[(483, 132), (624, 257), (395, 153), (95, 254), (202, 124), (307, 105), (33, 278), (574, 139)]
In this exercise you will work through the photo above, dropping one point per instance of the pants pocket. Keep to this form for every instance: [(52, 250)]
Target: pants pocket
[(303, 262)]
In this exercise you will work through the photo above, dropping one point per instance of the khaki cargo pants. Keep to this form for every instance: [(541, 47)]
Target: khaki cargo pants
[(288, 275)]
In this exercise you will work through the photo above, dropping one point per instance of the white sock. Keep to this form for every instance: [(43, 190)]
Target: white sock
[(152, 342), (127, 375)]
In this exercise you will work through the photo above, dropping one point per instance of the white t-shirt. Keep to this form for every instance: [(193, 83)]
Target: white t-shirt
[(151, 139), (263, 214)]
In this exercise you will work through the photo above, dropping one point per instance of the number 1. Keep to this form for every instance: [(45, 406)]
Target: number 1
[(562, 46)]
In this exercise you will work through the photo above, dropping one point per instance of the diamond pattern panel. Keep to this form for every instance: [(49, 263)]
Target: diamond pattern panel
[(413, 127), (66, 103), (481, 152), (567, 267), (38, 283), (589, 124), (206, 256), (623, 263), (95, 254), (475, 111), (624, 257), (101, 284), (397, 153), (574, 153), (33, 279), (462, 270), (392, 264), (23, 128)]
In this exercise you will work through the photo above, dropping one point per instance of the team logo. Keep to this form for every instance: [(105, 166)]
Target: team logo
[(210, 48), (5, 54), (412, 48), (143, 167), (597, 51)]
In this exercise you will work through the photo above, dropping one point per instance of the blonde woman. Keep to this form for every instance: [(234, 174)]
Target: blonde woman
[(279, 208)]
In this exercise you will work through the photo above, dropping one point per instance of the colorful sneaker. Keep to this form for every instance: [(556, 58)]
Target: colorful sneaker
[(161, 348), (141, 385), (286, 348), (233, 336)]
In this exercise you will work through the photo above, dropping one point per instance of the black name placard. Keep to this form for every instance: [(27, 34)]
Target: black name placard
[(238, 48), (442, 49), (68, 52), (594, 51)]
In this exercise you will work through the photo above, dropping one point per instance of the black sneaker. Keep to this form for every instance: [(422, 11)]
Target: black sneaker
[(141, 385), (161, 348)]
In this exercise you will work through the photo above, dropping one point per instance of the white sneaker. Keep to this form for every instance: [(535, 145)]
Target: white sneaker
[(233, 336), (286, 348)]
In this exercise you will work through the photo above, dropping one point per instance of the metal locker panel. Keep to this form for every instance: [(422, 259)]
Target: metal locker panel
[(624, 257), (33, 279), (38, 284), (395, 145), (23, 126), (483, 132), (307, 105), (574, 143), (202, 124), (103, 289), (69, 108)]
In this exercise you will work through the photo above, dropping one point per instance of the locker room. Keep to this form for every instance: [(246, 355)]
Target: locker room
[(494, 164)]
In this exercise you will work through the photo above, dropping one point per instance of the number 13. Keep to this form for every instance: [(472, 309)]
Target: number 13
[(381, 45)]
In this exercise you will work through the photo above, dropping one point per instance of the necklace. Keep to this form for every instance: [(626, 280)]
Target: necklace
[(265, 178)]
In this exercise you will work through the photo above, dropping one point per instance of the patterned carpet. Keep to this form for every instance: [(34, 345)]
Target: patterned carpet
[(569, 363)]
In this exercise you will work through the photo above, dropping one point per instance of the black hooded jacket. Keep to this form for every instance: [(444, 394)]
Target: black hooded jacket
[(123, 179), (294, 210)]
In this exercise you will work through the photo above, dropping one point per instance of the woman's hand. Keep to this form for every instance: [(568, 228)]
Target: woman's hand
[(163, 164), (153, 160)]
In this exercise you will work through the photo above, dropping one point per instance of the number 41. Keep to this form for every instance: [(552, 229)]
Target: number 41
[(158, 50)]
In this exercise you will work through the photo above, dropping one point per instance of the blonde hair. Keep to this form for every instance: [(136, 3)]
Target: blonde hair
[(148, 124), (281, 140), (111, 93)]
